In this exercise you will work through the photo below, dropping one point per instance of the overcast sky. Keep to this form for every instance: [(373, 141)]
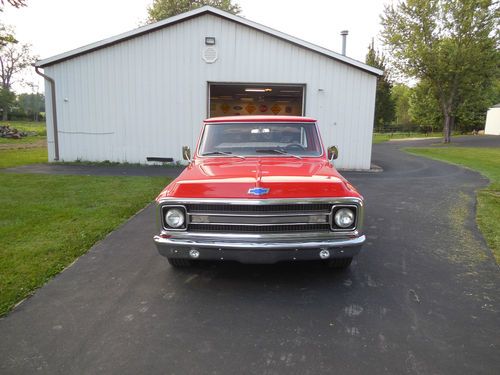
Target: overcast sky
[(56, 26)]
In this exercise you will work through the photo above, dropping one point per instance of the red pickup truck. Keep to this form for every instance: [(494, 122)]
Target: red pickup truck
[(260, 189)]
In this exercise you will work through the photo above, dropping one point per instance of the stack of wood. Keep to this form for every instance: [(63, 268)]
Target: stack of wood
[(7, 132)]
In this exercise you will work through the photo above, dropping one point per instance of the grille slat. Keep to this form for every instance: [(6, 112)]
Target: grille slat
[(260, 229), (218, 208)]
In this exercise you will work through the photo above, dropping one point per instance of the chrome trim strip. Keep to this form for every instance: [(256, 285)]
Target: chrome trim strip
[(311, 213), (256, 220), (358, 241), (288, 236), (266, 224), (256, 202)]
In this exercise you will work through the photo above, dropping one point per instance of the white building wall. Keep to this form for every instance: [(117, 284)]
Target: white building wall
[(148, 96), (492, 126)]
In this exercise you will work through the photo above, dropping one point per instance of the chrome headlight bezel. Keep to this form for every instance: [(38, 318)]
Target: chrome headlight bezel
[(164, 212), (335, 209)]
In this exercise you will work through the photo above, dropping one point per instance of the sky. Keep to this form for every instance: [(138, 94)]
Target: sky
[(57, 26)]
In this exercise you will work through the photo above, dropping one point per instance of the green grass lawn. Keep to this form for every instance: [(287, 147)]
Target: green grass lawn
[(487, 162), (27, 126), (23, 141), (47, 221), (384, 137), (16, 157), (39, 138)]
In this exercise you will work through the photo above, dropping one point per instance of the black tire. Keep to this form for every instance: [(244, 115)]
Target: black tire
[(179, 263), (340, 263)]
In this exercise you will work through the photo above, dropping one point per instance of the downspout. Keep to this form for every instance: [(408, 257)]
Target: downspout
[(54, 111)]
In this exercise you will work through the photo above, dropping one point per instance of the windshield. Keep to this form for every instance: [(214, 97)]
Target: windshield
[(258, 139)]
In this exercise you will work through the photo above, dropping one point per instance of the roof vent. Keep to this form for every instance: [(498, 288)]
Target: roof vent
[(210, 55), (344, 34)]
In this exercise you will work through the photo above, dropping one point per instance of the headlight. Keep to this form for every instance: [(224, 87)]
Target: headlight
[(175, 218), (344, 218)]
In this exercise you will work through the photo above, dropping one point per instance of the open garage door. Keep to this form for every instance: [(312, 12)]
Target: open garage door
[(233, 99)]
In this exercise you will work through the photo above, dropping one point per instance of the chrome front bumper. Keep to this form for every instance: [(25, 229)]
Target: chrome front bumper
[(258, 252), (260, 247)]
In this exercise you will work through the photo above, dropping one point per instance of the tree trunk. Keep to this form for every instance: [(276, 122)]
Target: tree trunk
[(446, 128), (4, 114), (449, 122)]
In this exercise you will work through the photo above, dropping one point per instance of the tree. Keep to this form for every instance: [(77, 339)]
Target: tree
[(449, 44), (15, 3), (472, 113), (384, 105), (400, 95), (161, 9), (424, 108), (31, 105), (14, 58), (6, 36), (7, 100)]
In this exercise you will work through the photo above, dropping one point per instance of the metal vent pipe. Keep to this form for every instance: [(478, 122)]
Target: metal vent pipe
[(344, 34)]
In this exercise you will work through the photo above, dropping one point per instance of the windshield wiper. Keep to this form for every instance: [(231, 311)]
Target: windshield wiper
[(222, 153), (277, 151)]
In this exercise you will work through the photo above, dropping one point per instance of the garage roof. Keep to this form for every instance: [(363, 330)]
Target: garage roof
[(195, 13)]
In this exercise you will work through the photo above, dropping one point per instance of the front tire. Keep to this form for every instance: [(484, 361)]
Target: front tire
[(340, 263), (179, 263)]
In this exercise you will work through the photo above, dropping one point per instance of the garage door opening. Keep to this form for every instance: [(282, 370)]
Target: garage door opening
[(255, 99)]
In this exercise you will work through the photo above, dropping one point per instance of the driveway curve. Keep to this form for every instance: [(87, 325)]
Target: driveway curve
[(422, 297)]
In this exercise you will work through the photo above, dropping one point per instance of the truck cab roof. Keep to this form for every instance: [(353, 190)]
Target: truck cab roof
[(254, 119)]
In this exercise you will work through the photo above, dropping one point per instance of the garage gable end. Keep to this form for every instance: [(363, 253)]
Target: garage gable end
[(196, 13)]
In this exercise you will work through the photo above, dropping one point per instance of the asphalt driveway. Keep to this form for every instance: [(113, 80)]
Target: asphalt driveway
[(422, 298)]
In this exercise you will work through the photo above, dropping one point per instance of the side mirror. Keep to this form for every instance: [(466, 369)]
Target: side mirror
[(186, 153), (333, 153)]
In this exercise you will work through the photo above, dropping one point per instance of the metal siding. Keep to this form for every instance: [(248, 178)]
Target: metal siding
[(150, 92)]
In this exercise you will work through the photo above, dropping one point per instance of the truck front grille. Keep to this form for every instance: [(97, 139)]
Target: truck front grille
[(255, 219)]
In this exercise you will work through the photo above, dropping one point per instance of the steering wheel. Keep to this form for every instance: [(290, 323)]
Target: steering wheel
[(295, 145)]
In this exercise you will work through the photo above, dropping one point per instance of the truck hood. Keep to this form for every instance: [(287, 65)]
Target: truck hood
[(284, 177)]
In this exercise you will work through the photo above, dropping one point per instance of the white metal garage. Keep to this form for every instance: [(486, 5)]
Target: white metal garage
[(144, 93), (492, 126)]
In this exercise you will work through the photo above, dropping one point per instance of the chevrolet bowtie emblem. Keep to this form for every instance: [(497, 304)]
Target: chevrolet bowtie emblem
[(258, 191)]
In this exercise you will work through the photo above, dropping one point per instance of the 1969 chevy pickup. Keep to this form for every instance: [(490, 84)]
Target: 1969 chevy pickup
[(260, 189)]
